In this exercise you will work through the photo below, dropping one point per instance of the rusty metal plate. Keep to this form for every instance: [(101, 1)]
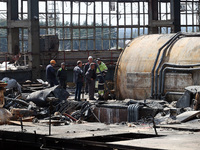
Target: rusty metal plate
[(138, 80), (111, 115), (178, 81)]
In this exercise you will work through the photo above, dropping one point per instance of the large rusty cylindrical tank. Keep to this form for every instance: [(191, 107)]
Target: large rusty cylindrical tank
[(134, 66)]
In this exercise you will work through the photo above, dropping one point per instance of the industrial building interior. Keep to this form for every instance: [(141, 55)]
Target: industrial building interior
[(152, 87)]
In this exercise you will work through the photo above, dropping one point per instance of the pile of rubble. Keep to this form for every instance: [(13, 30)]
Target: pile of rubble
[(187, 108), (161, 112), (12, 66), (37, 103)]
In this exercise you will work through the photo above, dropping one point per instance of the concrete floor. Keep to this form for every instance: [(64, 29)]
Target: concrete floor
[(183, 136), (171, 139)]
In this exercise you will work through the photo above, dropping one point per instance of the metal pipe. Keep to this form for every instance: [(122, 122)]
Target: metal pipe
[(156, 60), (17, 100), (171, 65), (157, 69), (172, 93), (160, 62), (176, 70)]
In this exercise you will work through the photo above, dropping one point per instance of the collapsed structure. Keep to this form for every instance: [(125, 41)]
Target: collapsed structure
[(152, 91)]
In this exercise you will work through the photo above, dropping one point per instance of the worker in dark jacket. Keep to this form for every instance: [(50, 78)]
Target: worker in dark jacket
[(86, 67), (62, 75), (78, 79), (90, 77), (51, 73)]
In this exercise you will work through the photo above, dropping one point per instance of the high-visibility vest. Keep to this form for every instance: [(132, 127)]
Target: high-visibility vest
[(102, 67)]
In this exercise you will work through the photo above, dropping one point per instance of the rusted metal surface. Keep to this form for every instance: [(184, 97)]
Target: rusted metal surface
[(18, 113), (174, 82), (134, 70), (111, 115), (2, 86), (197, 101), (5, 116)]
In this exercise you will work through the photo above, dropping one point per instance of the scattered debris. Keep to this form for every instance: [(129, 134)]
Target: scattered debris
[(5, 116), (13, 66), (40, 97), (36, 103), (186, 116), (21, 113), (12, 84)]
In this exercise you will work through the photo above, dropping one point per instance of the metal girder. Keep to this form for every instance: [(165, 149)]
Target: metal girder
[(13, 33), (18, 24), (175, 13), (162, 23), (153, 16)]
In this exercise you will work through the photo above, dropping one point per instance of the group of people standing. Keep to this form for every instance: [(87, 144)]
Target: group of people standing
[(52, 76), (92, 70)]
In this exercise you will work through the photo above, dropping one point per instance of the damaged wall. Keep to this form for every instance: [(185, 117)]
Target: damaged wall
[(69, 57)]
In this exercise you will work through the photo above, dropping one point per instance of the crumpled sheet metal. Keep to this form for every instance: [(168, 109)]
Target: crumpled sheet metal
[(5, 116), (12, 83), (193, 89), (39, 97)]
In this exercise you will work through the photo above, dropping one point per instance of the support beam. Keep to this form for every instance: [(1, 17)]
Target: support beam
[(153, 16), (33, 38), (13, 33), (18, 24), (175, 15)]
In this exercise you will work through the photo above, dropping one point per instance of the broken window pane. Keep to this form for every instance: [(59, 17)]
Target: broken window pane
[(83, 44), (67, 33), (75, 44), (59, 31), (75, 33), (67, 44), (83, 33), (90, 45), (59, 19), (42, 19), (90, 33), (98, 33)]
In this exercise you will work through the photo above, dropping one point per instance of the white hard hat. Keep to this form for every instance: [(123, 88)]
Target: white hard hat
[(90, 57)]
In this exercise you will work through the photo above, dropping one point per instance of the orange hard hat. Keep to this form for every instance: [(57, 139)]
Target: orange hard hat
[(52, 62)]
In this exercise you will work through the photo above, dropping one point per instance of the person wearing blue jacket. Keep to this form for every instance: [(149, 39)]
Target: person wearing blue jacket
[(78, 79), (51, 73), (91, 77)]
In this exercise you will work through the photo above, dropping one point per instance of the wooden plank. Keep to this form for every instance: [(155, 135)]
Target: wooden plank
[(24, 123), (186, 116)]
